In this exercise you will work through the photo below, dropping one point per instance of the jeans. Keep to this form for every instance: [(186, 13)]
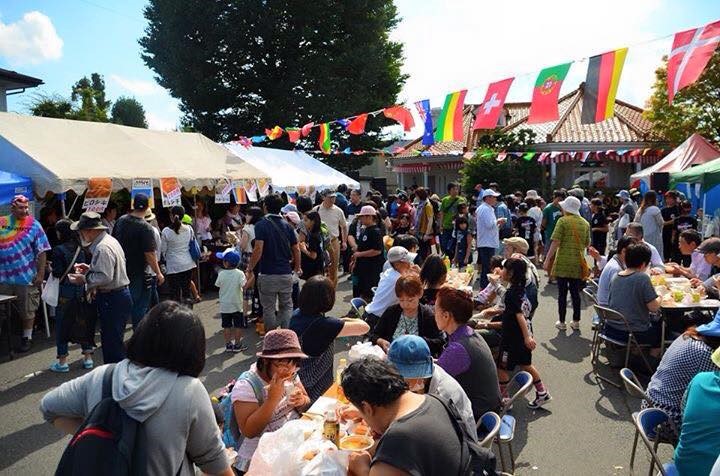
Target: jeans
[(484, 256), (140, 293), (445, 241), (114, 308), (154, 296), (276, 288), (62, 345), (180, 287), (574, 285)]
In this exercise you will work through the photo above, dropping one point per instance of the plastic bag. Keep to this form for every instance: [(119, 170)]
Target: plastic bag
[(275, 446), (365, 349), (328, 461), (51, 291)]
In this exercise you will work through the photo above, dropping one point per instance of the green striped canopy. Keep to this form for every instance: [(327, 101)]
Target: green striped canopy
[(707, 174)]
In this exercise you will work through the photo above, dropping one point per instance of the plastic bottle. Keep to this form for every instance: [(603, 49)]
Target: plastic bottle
[(331, 427), (342, 365), (447, 263)]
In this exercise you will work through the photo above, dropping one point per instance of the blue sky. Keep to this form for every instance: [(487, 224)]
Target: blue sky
[(449, 44)]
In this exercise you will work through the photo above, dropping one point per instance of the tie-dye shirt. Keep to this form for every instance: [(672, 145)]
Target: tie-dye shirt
[(21, 242)]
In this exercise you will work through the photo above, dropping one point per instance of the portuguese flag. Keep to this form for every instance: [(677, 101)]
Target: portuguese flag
[(603, 77), (544, 106), (324, 140)]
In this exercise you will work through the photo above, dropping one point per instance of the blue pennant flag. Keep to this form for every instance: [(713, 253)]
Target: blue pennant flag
[(258, 139), (423, 108)]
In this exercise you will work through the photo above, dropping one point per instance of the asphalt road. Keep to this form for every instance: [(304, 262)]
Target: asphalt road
[(584, 430)]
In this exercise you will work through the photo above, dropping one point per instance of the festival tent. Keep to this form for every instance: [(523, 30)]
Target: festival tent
[(11, 185), (289, 170), (60, 155), (694, 151)]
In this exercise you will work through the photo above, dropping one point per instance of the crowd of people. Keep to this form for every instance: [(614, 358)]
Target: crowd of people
[(450, 350)]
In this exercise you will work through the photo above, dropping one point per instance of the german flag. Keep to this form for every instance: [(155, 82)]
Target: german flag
[(601, 85)]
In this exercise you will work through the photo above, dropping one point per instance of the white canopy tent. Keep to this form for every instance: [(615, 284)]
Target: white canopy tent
[(291, 169), (60, 155)]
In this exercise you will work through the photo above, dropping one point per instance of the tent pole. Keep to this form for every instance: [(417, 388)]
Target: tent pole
[(200, 243), (73, 204), (704, 220)]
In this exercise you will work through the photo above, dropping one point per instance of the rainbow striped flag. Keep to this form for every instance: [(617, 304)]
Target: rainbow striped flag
[(450, 122), (601, 83), (324, 140)]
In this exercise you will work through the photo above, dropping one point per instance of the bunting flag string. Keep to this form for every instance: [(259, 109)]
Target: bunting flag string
[(357, 125), (691, 51), (544, 105), (487, 114), (601, 84), (324, 139), (423, 108), (401, 115)]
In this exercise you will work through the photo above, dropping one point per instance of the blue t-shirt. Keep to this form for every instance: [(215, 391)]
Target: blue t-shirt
[(21, 242), (341, 201), (699, 443), (277, 252)]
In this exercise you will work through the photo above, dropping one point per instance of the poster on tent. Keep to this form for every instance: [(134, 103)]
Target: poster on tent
[(251, 189), (238, 189), (97, 195), (263, 187), (144, 186), (223, 188), (170, 191)]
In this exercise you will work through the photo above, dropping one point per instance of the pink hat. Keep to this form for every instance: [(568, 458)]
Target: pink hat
[(281, 344), (293, 217), (367, 211)]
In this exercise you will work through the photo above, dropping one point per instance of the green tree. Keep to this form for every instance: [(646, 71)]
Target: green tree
[(240, 66), (128, 112), (694, 109), (91, 95), (51, 106)]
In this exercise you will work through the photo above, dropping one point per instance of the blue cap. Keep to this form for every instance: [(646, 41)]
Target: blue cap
[(411, 356), (712, 328), (288, 208), (624, 194), (229, 255)]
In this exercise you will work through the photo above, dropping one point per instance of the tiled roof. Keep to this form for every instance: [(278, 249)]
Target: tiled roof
[(627, 126)]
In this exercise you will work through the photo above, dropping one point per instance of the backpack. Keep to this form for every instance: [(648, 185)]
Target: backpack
[(325, 240), (108, 442), (232, 437)]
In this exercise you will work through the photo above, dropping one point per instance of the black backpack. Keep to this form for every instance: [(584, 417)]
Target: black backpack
[(108, 442)]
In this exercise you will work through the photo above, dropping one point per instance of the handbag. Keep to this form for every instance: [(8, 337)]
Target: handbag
[(51, 289), (194, 247), (584, 267)]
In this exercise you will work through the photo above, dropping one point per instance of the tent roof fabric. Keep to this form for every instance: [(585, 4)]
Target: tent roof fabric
[(695, 150), (13, 184), (60, 154), (707, 174), (290, 169)]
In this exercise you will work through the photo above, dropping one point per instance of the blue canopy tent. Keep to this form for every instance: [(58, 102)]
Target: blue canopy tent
[(11, 185)]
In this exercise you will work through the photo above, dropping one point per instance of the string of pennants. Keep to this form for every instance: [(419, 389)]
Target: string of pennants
[(689, 55), (620, 155)]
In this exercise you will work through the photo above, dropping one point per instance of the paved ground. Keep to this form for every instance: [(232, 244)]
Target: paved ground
[(585, 430)]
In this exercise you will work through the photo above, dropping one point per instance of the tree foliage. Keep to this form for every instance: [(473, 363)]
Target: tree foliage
[(87, 102), (694, 109), (241, 66), (128, 112), (51, 106)]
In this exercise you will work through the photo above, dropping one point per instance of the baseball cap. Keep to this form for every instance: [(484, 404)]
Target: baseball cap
[(293, 217), (518, 243), (229, 255), (411, 356), (288, 208), (187, 219), (398, 253), (141, 202), (624, 194), (712, 328), (710, 245), (327, 192), (490, 193)]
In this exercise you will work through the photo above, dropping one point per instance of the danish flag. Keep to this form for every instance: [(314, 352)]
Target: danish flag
[(691, 51)]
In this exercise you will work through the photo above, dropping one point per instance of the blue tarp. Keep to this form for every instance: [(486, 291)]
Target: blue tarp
[(11, 185)]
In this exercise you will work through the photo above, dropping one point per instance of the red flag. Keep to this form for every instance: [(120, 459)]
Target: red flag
[(487, 114), (691, 51), (357, 125), (306, 128), (293, 134), (401, 115)]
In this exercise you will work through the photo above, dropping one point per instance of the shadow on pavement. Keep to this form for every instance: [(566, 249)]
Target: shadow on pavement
[(571, 347), (26, 441)]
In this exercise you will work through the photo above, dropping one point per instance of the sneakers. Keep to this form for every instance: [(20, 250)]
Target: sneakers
[(25, 345), (60, 368), (88, 364), (575, 325), (239, 347), (539, 401), (229, 347), (560, 326)]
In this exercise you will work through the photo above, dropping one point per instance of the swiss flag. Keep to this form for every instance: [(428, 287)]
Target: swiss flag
[(691, 51), (487, 113), (401, 115), (357, 125)]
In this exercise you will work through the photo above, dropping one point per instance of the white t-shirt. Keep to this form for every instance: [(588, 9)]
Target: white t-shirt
[(332, 217), (250, 230), (176, 249), (230, 282)]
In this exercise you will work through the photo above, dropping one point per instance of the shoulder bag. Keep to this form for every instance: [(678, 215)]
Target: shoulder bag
[(51, 289)]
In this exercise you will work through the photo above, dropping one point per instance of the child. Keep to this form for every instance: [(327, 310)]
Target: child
[(402, 227), (525, 227), (517, 342), (231, 282), (463, 242)]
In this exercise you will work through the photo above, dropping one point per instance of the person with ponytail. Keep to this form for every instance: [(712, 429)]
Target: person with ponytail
[(178, 261)]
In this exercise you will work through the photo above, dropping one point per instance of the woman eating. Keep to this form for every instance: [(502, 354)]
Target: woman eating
[(408, 317)]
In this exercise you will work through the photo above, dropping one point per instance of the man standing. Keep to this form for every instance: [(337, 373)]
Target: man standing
[(334, 219), (448, 211), (627, 211), (355, 204), (669, 212), (488, 238), (504, 228), (340, 199), (106, 280), (22, 263), (276, 250), (551, 214), (137, 239), (423, 222)]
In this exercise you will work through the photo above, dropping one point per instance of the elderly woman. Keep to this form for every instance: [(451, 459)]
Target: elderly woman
[(650, 217), (566, 259), (156, 385), (408, 317), (260, 402), (467, 357)]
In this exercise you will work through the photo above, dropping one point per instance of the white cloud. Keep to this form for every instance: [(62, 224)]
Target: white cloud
[(31, 40), (160, 123), (138, 87)]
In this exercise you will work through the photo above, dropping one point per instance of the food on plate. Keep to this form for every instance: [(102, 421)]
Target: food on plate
[(361, 429), (356, 443), (309, 455)]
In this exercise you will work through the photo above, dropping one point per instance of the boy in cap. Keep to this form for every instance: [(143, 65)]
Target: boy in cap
[(231, 282)]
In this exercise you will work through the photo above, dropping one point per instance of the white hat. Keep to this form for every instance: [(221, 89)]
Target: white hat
[(488, 192), (532, 194), (571, 205), (398, 253)]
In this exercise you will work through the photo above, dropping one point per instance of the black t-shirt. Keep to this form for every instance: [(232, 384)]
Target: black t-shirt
[(510, 327), (422, 443), (312, 267), (683, 223), (371, 238), (316, 333), (525, 227), (136, 237), (599, 238), (668, 214)]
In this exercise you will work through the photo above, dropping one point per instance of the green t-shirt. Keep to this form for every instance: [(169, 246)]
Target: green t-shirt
[(449, 209), (551, 214), (573, 233)]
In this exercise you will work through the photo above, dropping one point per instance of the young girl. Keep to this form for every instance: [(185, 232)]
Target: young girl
[(463, 242), (517, 341), (403, 225)]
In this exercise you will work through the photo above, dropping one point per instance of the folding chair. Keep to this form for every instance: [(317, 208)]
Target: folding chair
[(647, 423), (635, 389), (491, 422), (357, 306), (523, 381), (609, 315)]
